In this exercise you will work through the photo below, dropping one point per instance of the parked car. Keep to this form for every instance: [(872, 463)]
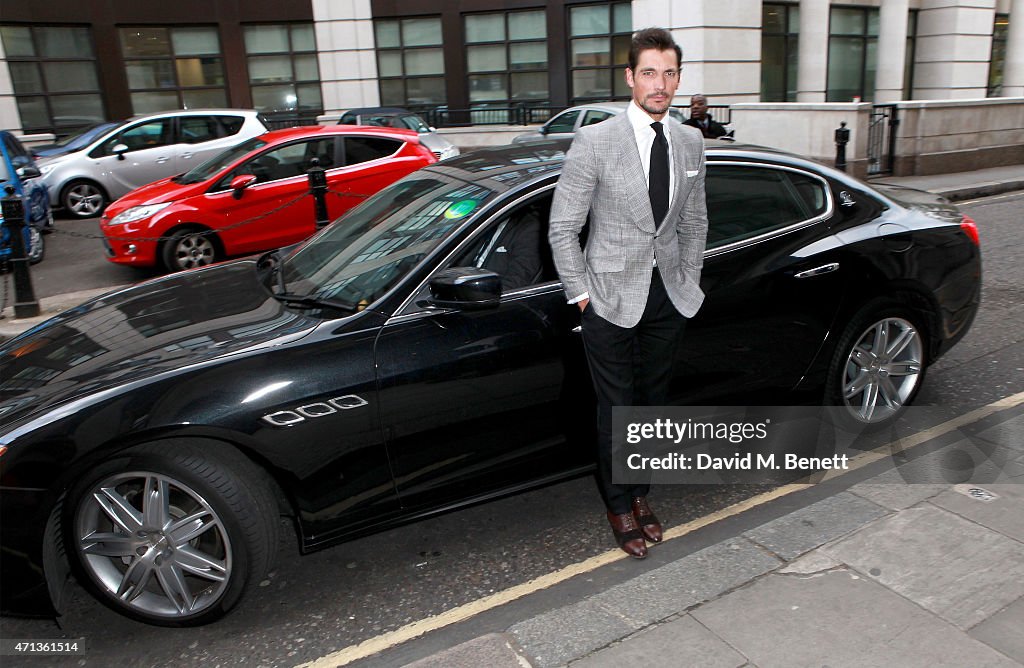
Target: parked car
[(19, 171), (565, 123), (139, 151), (73, 142), (394, 117), (381, 371), (202, 216)]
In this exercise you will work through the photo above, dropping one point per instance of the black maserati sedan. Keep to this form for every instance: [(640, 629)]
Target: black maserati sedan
[(418, 355)]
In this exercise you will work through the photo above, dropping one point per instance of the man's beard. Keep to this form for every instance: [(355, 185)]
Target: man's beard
[(651, 109)]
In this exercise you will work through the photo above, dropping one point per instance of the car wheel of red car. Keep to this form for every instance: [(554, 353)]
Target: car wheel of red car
[(171, 533), (83, 199), (190, 247)]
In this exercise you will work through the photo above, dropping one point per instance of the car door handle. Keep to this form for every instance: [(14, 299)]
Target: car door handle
[(186, 156), (818, 271), (161, 161)]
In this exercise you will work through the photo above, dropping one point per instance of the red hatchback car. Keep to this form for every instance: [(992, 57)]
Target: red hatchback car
[(254, 197)]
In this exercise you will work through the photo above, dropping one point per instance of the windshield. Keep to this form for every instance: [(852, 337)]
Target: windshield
[(214, 165), (414, 122), (83, 138), (365, 253)]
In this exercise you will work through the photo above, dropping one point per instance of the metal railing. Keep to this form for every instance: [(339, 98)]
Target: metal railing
[(882, 139)]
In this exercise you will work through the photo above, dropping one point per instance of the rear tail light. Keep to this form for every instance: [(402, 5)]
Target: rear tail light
[(970, 228)]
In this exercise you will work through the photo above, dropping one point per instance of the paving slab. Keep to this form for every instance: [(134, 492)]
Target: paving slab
[(837, 620), (955, 568), (969, 459), (891, 490), (1004, 513), (1009, 434), (682, 584), (563, 634), (494, 650), (813, 526), (681, 643), (1003, 631)]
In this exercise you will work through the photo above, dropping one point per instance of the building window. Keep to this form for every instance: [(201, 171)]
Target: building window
[(173, 68), (910, 56), (599, 38), (780, 33), (507, 57), (852, 54), (998, 59), (410, 62), (283, 70), (53, 72)]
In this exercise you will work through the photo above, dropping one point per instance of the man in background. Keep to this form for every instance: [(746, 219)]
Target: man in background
[(701, 119)]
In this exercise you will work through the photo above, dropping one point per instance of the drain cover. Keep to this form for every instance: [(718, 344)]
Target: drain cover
[(976, 493)]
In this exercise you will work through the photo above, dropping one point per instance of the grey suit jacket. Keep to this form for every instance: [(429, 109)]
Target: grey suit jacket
[(603, 177)]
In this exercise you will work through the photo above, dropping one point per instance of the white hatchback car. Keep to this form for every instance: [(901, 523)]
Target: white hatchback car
[(566, 123), (141, 150)]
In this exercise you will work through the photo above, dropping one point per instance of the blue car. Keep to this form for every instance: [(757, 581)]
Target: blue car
[(17, 169), (72, 143)]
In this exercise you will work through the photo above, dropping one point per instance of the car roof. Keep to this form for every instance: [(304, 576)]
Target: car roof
[(298, 132), (377, 110), (197, 112)]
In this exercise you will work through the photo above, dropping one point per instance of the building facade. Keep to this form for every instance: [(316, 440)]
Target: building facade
[(67, 64)]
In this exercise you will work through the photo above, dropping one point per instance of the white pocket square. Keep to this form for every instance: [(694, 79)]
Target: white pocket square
[(690, 174)]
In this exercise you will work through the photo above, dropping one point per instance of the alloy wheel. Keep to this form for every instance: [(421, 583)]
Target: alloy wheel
[(193, 250), (84, 200), (153, 545), (882, 370)]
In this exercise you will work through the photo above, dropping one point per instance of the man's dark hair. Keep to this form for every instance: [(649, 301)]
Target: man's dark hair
[(653, 38)]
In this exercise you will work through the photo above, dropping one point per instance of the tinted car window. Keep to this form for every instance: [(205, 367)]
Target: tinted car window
[(594, 116), (362, 149), (231, 124), (196, 129), (564, 123), (745, 201), (146, 135), (289, 160), (18, 154)]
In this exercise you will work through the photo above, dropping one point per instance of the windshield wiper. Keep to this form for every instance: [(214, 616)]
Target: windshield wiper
[(314, 302)]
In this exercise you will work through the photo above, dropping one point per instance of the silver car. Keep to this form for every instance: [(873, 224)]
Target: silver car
[(141, 150), (565, 124), (395, 117)]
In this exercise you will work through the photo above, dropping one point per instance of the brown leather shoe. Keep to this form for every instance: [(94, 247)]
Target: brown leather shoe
[(628, 535), (645, 517)]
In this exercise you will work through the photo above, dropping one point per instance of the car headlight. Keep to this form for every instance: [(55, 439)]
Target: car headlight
[(138, 213), (46, 169), (449, 152)]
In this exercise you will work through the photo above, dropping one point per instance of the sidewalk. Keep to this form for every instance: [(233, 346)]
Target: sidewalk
[(883, 573)]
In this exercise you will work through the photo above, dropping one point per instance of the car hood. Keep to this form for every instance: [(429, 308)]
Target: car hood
[(143, 333), (164, 190)]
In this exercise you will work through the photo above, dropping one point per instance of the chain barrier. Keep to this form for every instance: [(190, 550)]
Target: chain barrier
[(83, 235)]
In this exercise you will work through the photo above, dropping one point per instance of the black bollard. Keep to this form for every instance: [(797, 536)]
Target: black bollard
[(25, 303), (842, 139), (318, 188)]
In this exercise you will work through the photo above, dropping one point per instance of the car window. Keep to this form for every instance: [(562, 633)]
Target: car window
[(564, 122), (220, 161), (748, 201), (594, 116), (17, 153), (363, 149), (287, 161), (231, 124), (414, 122), (197, 129), (152, 134), (515, 247)]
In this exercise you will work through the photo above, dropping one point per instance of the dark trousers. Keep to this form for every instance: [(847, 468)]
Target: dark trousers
[(630, 366)]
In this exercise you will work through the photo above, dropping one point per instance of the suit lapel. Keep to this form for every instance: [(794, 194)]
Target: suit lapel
[(633, 170)]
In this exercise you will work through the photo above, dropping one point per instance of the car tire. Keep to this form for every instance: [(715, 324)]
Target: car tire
[(83, 199), (37, 245), (189, 247), (874, 388), (171, 533)]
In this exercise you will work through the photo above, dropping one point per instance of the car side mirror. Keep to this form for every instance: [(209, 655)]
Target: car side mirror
[(28, 172), (432, 129), (119, 150), (240, 183), (543, 129), (465, 288)]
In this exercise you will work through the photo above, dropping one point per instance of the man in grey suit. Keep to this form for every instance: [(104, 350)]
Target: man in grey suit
[(640, 178)]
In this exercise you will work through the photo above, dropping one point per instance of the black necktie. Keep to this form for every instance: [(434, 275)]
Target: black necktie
[(658, 181)]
